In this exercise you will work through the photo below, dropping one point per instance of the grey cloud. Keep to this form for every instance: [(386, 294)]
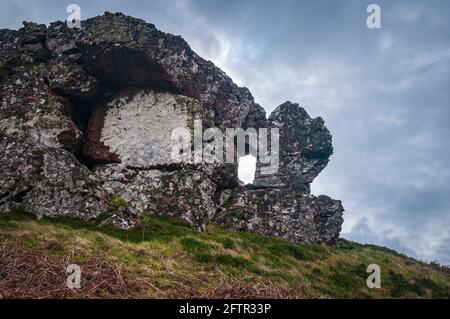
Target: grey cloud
[(362, 232), (442, 250)]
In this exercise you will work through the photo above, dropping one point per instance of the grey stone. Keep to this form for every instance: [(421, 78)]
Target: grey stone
[(86, 117), (304, 148), (183, 194), (47, 182), (294, 216)]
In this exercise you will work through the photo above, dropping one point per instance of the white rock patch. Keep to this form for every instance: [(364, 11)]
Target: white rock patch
[(139, 129)]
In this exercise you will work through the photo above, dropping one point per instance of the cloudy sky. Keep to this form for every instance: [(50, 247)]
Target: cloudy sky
[(384, 94)]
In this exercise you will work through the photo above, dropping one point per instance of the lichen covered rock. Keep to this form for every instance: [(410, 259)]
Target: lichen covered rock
[(32, 42), (86, 117), (304, 148), (47, 182), (8, 52), (184, 194), (280, 203), (295, 216), (70, 79)]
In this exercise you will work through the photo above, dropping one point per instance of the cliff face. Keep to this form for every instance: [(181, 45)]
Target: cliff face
[(86, 117)]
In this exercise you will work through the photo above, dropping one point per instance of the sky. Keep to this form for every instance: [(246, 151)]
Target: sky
[(383, 93)]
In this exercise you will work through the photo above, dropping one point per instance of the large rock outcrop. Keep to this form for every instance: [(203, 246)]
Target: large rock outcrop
[(86, 117)]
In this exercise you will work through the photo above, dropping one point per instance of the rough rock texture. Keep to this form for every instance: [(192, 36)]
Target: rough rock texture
[(184, 194), (47, 182), (295, 216), (71, 80), (30, 109), (86, 117), (121, 51), (280, 204), (305, 147)]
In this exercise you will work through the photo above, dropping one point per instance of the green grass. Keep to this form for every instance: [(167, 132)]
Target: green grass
[(167, 252)]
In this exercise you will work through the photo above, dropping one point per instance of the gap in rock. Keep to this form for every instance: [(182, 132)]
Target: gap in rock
[(246, 162), (81, 113), (247, 169)]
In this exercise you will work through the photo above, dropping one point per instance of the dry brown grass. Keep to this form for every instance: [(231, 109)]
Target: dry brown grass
[(439, 267), (28, 273), (231, 288), (175, 262), (227, 287)]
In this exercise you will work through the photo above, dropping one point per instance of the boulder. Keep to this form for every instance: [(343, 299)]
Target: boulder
[(47, 182), (122, 51), (32, 42)]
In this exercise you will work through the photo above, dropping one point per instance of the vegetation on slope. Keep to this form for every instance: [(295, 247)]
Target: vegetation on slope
[(166, 259)]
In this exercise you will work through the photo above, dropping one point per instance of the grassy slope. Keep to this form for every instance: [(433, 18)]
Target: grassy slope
[(167, 259)]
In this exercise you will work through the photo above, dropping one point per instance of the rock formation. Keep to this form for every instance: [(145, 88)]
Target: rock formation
[(86, 116)]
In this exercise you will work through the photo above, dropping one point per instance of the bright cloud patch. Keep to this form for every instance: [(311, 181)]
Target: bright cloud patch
[(246, 170)]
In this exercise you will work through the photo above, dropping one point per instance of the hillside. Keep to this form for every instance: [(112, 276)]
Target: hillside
[(166, 259)]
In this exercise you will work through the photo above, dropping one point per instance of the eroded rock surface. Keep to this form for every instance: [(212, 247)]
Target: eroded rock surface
[(304, 148), (47, 182), (295, 216), (86, 117), (184, 194), (280, 203)]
